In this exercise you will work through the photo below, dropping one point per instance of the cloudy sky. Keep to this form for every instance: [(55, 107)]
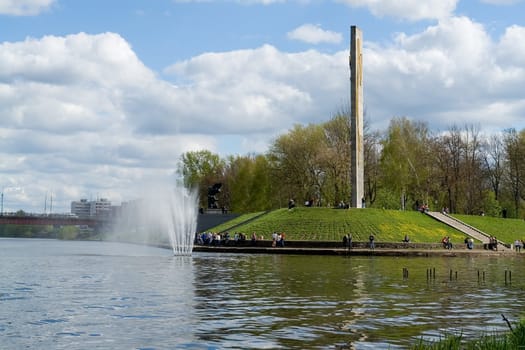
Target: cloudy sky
[(98, 98)]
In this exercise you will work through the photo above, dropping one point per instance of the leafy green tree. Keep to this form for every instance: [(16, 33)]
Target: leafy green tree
[(263, 192), (201, 169), (296, 164), (404, 160), (491, 205), (68, 232), (515, 159), (249, 179)]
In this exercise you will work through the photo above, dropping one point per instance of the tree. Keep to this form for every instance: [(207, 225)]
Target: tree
[(472, 171), (372, 157), (515, 155), (296, 164), (493, 159), (250, 180), (201, 169), (335, 159), (403, 160), (449, 159)]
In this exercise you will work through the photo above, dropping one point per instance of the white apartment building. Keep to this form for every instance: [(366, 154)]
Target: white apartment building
[(86, 209)]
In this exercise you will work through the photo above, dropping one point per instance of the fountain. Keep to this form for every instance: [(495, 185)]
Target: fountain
[(181, 210), (163, 215)]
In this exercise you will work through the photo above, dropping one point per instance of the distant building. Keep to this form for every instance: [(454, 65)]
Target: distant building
[(87, 209), (81, 209), (102, 207)]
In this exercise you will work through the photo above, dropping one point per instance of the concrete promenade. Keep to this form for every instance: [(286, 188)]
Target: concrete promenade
[(359, 249)]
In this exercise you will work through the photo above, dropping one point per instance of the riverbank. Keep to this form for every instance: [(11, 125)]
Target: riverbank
[(358, 249)]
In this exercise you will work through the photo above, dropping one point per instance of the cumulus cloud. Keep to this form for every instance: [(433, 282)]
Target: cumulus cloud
[(314, 34), (67, 107), (259, 89), (84, 111), (449, 74), (24, 7), (412, 10)]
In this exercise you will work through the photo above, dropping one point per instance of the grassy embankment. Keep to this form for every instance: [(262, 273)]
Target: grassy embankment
[(326, 224), (506, 230)]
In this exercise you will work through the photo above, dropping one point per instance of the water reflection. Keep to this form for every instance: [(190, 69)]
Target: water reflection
[(74, 295), (318, 302)]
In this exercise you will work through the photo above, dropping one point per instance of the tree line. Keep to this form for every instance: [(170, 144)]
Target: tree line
[(406, 166)]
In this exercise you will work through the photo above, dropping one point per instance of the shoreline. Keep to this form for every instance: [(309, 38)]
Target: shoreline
[(353, 252)]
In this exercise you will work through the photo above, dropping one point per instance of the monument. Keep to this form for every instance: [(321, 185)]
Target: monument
[(356, 121)]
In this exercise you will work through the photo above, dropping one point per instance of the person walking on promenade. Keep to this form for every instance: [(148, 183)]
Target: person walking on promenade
[(517, 245), (371, 239)]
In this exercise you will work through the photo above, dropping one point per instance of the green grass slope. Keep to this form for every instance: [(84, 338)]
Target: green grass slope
[(238, 220), (506, 230), (332, 224)]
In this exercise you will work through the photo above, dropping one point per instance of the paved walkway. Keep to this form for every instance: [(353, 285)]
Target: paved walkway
[(351, 252)]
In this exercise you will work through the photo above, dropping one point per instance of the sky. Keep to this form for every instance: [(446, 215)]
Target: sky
[(99, 98)]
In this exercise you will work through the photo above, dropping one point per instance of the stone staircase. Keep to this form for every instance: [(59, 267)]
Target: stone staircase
[(465, 228)]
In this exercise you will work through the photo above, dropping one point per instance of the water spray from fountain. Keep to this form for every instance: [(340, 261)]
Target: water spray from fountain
[(181, 219), (165, 215)]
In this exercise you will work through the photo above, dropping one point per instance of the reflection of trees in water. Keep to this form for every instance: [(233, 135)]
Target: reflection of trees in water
[(320, 301), (292, 300)]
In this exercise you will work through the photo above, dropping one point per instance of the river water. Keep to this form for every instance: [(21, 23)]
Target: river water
[(100, 295)]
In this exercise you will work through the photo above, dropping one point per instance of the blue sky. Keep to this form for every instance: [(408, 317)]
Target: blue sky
[(98, 98)]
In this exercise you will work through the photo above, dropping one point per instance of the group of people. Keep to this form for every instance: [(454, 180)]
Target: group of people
[(493, 243), (216, 239), (213, 239), (347, 241), (278, 239)]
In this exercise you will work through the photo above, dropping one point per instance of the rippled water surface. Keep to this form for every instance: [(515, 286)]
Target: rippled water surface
[(99, 295)]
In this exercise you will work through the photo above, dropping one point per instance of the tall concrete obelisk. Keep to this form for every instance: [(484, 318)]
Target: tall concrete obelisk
[(356, 129)]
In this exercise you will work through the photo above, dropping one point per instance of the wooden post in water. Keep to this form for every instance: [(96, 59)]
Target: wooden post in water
[(508, 280), (431, 273)]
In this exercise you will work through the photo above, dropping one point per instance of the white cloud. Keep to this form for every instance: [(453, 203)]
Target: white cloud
[(408, 9), (314, 34), (258, 90), (449, 74), (84, 112), (24, 7), (512, 42), (65, 119)]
